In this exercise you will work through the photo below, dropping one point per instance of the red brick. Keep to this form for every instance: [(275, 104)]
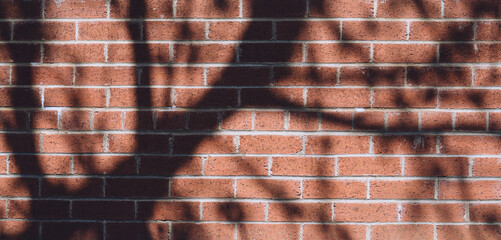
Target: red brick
[(73, 53), (13, 229), (271, 52), (72, 187), (202, 188), (179, 76), (463, 145), (104, 30), (199, 98), (470, 98), (19, 143), (72, 230), (441, 31), (486, 189), (374, 30), (405, 144), (436, 121), (107, 120), (268, 188), (13, 120), (116, 231), (45, 164), (174, 30), (171, 120), (18, 187), (396, 232), (99, 76), (402, 189), (337, 144), (203, 231), (39, 209), (237, 120), (272, 97), (233, 211), (160, 210), (470, 53), (72, 143), (338, 53), (203, 120), (336, 120), (303, 166), (305, 76), (5, 75), (256, 144), (471, 121), (105, 165), (19, 53), (236, 166), (488, 76), (487, 167), (238, 76), (248, 30), (436, 166), (60, 31), (204, 144), (42, 75), (403, 121), (405, 98), (303, 121), (206, 9), (131, 187), (135, 120), (203, 53), (472, 9), (408, 9), (485, 212), (331, 231), (342, 8), (20, 97), (3, 166), (489, 31), (76, 9), (23, 9), (468, 232), (141, 9), (334, 189), (139, 143), (269, 231), (405, 53), (139, 52), (300, 212), (440, 212), (372, 76), (153, 165), (369, 121), (140, 97), (308, 30), (365, 212), (75, 120), (103, 210), (335, 98), (273, 8), (269, 120), (439, 76), (359, 166), (75, 97)]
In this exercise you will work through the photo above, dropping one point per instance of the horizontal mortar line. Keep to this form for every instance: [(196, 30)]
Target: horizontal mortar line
[(241, 41), (261, 200), (244, 109), (436, 155), (260, 19), (361, 179), (249, 64), (257, 133)]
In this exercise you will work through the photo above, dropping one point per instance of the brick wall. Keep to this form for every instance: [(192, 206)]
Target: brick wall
[(250, 119)]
